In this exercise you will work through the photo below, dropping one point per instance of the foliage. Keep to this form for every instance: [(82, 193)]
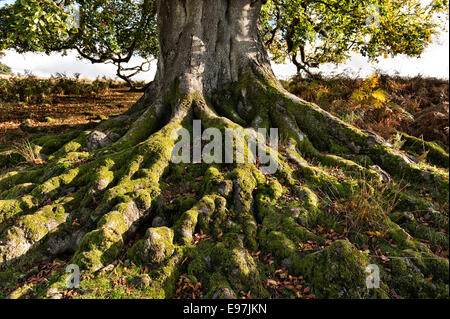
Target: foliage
[(314, 32), (30, 89), (101, 31), (309, 32), (4, 69)]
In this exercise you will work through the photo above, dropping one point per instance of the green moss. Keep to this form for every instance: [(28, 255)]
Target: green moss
[(429, 264), (185, 203), (420, 231), (155, 248), (393, 162), (17, 191), (227, 257), (339, 149), (328, 183), (12, 207), (74, 145), (219, 287), (307, 212), (409, 282), (185, 226), (400, 237), (436, 154), (338, 271), (363, 160), (52, 143), (20, 292), (37, 225), (11, 158), (53, 184), (275, 189), (97, 249)]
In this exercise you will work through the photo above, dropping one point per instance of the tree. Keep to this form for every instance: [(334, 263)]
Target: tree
[(308, 32), (97, 189), (314, 32), (100, 31)]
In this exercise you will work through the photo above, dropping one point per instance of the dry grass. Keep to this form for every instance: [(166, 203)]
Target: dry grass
[(28, 150), (383, 104)]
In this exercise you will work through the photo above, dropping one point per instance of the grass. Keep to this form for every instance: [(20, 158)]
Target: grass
[(369, 208), (28, 150)]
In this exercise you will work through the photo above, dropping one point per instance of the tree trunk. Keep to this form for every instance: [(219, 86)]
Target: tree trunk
[(207, 44), (104, 191)]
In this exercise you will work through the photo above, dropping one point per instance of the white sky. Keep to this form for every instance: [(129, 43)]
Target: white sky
[(434, 62)]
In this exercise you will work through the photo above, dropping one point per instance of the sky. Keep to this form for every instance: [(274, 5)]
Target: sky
[(433, 63)]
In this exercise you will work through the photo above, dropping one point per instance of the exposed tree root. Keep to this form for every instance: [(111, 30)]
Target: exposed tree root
[(111, 196)]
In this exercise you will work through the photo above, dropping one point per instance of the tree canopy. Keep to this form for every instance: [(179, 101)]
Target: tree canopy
[(101, 31), (307, 32), (313, 32)]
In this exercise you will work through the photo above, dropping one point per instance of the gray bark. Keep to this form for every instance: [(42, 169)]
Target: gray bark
[(205, 44)]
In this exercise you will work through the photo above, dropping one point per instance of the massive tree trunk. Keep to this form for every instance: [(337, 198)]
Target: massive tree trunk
[(103, 190), (206, 45)]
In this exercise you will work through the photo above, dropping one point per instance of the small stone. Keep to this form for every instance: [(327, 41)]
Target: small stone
[(98, 139), (52, 291), (107, 269)]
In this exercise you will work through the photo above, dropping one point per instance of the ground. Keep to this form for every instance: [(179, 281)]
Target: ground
[(308, 232)]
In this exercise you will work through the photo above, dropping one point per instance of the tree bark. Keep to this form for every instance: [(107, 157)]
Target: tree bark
[(206, 44)]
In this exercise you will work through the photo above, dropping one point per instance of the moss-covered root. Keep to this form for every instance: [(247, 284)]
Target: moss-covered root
[(310, 129), (225, 267), (133, 196), (323, 129), (339, 271), (435, 154), (156, 247), (36, 233)]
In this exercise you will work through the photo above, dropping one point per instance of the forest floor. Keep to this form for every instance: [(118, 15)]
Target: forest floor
[(383, 104), (18, 121)]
